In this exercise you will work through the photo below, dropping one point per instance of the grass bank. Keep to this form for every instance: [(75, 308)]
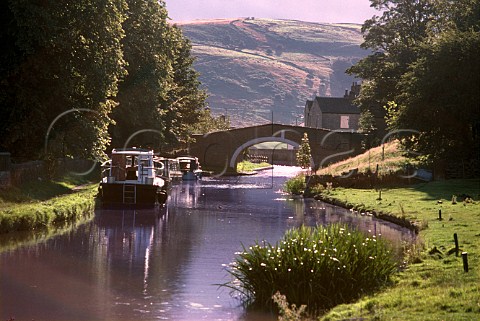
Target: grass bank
[(434, 286), (248, 167), (390, 157), (41, 204)]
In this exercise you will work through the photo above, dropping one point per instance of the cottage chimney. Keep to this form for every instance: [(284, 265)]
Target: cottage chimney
[(346, 94), (355, 90)]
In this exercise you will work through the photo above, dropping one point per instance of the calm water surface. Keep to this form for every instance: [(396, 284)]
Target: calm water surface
[(162, 264)]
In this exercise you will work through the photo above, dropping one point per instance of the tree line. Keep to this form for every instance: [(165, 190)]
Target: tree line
[(423, 75), (80, 77)]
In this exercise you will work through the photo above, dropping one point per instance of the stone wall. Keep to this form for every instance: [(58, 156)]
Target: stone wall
[(26, 172), (332, 121), (4, 169), (280, 156)]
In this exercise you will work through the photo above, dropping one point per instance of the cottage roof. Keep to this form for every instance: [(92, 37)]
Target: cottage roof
[(335, 105)]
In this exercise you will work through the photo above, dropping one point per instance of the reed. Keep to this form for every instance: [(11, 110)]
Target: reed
[(318, 267)]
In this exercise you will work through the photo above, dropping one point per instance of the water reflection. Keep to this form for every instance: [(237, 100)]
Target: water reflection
[(165, 263)]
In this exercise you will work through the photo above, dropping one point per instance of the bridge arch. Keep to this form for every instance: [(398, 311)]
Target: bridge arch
[(219, 151), (259, 140)]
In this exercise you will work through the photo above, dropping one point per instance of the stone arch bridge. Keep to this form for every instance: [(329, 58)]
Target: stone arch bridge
[(223, 149)]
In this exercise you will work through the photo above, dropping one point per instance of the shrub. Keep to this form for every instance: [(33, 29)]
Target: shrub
[(288, 312), (318, 267), (295, 185), (316, 189)]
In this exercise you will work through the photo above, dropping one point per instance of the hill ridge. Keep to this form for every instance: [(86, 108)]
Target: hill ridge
[(252, 67)]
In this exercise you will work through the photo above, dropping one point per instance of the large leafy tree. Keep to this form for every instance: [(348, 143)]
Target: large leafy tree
[(59, 56), (393, 38), (440, 97), (63, 68), (161, 98), (139, 115), (424, 67), (185, 102)]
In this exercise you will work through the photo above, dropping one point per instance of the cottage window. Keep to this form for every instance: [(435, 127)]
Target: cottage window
[(344, 121)]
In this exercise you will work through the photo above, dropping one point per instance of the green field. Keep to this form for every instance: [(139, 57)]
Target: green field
[(434, 285)]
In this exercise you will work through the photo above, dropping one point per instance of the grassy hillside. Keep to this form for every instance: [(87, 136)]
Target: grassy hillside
[(254, 66), (390, 157)]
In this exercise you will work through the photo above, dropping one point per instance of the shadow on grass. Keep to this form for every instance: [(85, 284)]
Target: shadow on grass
[(42, 190), (446, 189)]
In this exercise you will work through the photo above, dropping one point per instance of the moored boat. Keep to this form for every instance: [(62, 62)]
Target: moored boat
[(168, 168), (190, 168), (130, 177)]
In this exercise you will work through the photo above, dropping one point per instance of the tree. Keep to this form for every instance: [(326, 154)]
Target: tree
[(424, 69), (304, 154), (208, 123), (367, 127), (63, 69), (440, 97), (393, 38), (366, 123), (64, 56), (160, 99), (186, 101), (138, 116)]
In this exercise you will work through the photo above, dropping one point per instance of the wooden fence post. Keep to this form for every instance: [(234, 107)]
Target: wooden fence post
[(455, 238), (465, 261)]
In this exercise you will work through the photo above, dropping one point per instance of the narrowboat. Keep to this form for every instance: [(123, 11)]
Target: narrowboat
[(190, 168), (131, 177), (168, 168)]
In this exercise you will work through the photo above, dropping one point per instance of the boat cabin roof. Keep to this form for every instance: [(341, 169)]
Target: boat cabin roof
[(186, 158), (132, 151)]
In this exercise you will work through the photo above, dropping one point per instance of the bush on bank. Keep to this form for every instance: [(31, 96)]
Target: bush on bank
[(318, 267), (295, 185)]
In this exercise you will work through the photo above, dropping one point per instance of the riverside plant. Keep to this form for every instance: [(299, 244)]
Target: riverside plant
[(295, 185), (315, 266)]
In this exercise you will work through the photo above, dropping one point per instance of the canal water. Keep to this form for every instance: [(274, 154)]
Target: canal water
[(162, 264)]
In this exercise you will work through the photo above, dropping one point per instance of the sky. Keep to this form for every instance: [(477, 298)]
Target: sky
[(329, 11)]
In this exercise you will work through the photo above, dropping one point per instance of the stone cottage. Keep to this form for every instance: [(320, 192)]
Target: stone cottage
[(333, 112)]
